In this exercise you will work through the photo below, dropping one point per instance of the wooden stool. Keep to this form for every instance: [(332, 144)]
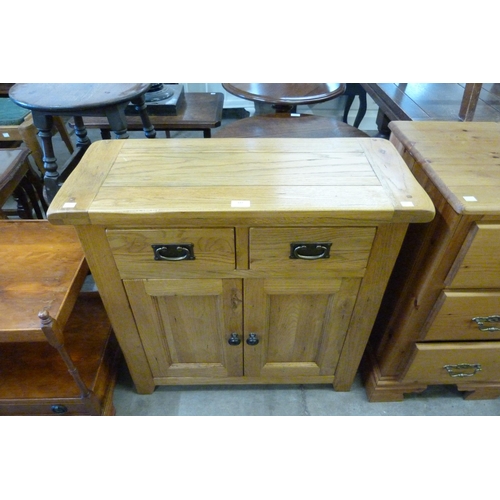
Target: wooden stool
[(197, 111), (43, 269), (77, 100), (289, 125), (17, 179), (16, 127)]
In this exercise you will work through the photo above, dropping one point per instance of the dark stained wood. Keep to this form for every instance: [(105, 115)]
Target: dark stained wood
[(78, 99), (431, 101), (469, 101), (18, 180), (197, 111), (288, 125), (286, 95)]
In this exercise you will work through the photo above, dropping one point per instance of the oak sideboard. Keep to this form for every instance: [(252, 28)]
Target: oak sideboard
[(241, 261), (439, 322)]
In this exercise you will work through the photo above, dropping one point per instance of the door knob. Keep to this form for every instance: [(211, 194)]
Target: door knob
[(252, 339), (234, 339)]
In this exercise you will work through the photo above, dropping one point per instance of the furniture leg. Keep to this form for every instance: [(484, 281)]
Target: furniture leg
[(83, 140), (117, 121), (141, 108), (55, 337), (44, 125), (61, 128)]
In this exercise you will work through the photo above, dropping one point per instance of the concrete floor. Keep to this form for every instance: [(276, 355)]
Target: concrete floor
[(274, 400)]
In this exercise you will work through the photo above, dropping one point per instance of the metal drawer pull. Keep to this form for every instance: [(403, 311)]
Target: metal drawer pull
[(310, 251), (174, 252), (481, 320), (457, 370), (252, 339)]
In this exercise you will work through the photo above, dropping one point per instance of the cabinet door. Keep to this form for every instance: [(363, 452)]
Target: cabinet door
[(185, 325), (300, 325)]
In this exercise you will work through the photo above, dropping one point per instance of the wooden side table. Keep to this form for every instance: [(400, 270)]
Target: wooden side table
[(197, 111), (43, 269), (46, 100)]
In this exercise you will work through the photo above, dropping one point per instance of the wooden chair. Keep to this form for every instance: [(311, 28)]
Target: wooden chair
[(16, 127), (288, 125), (17, 179)]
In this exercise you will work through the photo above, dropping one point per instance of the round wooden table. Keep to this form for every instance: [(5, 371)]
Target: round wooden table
[(285, 97), (46, 100)]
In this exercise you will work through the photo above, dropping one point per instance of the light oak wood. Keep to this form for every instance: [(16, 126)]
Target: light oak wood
[(241, 203), (430, 360), (447, 272)]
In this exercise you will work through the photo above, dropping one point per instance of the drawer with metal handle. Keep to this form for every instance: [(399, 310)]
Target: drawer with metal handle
[(464, 315), (337, 249), (454, 362), (155, 253)]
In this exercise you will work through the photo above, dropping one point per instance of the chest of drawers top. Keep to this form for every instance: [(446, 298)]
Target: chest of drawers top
[(241, 181), (461, 158)]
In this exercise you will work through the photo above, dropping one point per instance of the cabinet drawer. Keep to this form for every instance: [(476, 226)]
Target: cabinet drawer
[(212, 249), (452, 363), (347, 249), (465, 315), (478, 262)]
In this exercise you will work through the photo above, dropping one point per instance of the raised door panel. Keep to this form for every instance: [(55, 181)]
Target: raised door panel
[(185, 325), (300, 325)]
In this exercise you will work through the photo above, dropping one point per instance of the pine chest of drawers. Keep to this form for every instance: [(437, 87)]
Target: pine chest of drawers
[(235, 261), (439, 322)]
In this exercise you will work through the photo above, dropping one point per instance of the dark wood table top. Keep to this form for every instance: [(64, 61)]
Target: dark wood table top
[(292, 94), (432, 101), (289, 125), (66, 97)]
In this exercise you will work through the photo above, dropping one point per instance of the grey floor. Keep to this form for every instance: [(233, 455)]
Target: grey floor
[(274, 400)]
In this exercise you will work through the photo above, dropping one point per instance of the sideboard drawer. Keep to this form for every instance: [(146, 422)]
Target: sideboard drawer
[(465, 315), (478, 263), (155, 253), (342, 249), (452, 363)]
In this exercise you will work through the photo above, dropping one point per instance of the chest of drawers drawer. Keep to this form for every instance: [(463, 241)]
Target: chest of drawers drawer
[(465, 315), (478, 262), (154, 253), (454, 362), (339, 249)]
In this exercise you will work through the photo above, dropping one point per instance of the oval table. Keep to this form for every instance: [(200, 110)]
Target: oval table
[(46, 100), (285, 97)]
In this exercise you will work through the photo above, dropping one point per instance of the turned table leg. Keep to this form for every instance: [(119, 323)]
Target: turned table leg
[(44, 125), (147, 126)]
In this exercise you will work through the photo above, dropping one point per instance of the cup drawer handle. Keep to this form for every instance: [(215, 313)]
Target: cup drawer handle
[(481, 320), (310, 251), (174, 252), (462, 369)]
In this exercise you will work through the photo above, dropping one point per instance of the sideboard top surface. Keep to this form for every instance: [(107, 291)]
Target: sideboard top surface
[(271, 180), (461, 158)]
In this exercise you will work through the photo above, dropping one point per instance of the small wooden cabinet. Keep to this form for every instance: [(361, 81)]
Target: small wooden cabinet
[(439, 322), (236, 261)]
